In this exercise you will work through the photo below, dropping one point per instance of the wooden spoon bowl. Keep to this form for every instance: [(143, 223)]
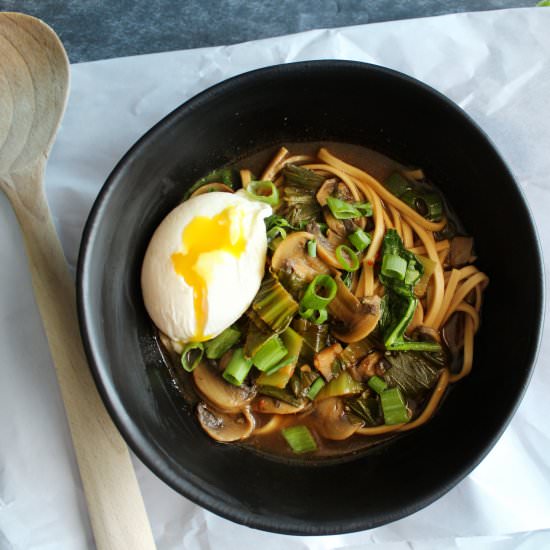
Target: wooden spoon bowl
[(34, 84)]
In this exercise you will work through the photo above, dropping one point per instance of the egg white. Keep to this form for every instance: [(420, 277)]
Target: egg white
[(231, 282)]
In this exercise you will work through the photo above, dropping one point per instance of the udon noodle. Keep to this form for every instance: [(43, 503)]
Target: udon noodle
[(373, 296)]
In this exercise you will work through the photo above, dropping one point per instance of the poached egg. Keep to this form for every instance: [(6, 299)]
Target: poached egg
[(204, 265)]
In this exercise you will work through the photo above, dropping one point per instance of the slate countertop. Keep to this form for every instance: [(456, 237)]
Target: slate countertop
[(102, 30)]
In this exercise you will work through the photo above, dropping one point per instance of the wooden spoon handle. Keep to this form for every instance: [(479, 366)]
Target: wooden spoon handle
[(117, 511)]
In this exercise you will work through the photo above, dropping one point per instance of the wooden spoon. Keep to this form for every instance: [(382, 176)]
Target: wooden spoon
[(34, 83)]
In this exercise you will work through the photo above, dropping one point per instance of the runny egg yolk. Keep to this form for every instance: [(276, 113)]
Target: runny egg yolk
[(221, 233)]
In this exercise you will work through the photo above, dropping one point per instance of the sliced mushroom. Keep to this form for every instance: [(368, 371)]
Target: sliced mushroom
[(208, 187), (357, 318), (367, 367), (222, 395), (348, 193), (225, 427), (324, 360), (334, 239), (337, 227), (268, 405), (453, 333), (292, 253), (326, 249), (331, 420), (326, 190), (341, 227), (336, 234), (336, 188), (461, 251), (274, 423)]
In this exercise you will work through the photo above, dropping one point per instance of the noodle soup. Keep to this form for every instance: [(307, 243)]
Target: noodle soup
[(365, 315)]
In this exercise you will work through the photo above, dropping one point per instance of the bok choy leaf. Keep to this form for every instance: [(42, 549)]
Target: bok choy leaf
[(399, 302)]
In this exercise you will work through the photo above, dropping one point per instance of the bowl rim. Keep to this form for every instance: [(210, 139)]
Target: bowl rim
[(140, 445)]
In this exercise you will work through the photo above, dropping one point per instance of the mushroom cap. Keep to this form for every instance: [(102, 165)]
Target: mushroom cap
[(326, 249), (219, 393), (357, 318), (331, 420), (225, 427), (292, 252)]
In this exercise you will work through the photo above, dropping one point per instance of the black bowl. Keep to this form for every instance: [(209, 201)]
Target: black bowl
[(327, 100)]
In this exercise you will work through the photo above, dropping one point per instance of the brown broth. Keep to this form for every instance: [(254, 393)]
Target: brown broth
[(379, 166)]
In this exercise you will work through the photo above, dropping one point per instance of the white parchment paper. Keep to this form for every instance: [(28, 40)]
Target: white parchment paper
[(496, 65)]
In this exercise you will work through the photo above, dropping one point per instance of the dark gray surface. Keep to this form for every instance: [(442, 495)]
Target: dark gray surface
[(98, 30)]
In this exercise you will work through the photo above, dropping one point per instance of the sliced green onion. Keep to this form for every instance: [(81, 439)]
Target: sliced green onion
[(394, 266), (315, 316), (276, 232), (216, 347), (319, 316), (277, 221), (191, 355), (394, 407), (275, 236), (430, 206), (412, 274), (269, 354), (319, 293), (299, 439), (312, 248), (377, 384), (360, 240), (365, 208), (255, 339), (292, 342), (349, 263), (315, 388), (238, 368), (342, 210), (414, 345), (264, 191), (306, 313)]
